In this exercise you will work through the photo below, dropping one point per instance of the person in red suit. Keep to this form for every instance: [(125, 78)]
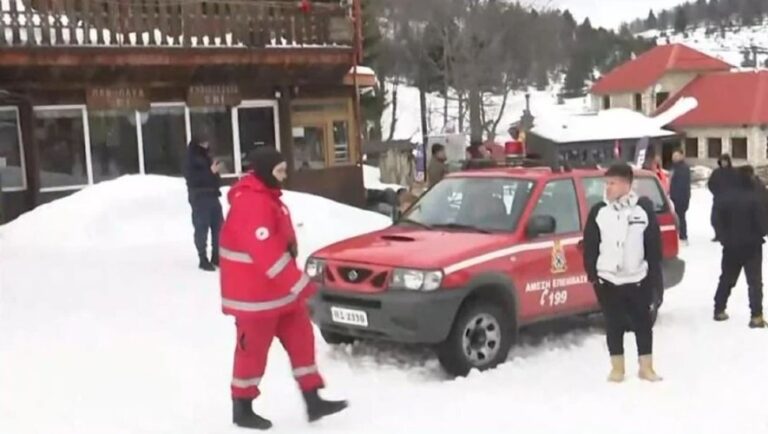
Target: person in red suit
[(266, 292)]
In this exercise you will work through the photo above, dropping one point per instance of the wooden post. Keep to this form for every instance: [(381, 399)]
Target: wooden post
[(31, 153), (286, 125)]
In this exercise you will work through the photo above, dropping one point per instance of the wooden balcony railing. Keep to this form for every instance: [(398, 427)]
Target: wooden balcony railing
[(173, 23)]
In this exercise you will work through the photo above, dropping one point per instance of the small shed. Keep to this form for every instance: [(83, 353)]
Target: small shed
[(597, 138)]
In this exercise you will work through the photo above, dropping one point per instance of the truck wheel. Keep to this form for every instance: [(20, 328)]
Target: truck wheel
[(480, 338), (333, 338)]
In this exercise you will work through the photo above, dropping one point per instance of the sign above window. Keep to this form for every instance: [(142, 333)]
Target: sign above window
[(214, 96), (117, 98)]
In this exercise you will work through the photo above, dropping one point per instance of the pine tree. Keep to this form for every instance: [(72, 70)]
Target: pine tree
[(681, 20), (664, 20), (651, 22)]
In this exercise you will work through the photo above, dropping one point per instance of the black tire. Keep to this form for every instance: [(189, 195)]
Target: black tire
[(453, 355), (333, 338)]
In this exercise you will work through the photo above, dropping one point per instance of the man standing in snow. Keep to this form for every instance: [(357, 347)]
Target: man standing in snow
[(622, 257), (266, 292), (722, 180), (741, 226), (680, 190), (203, 186), (437, 169)]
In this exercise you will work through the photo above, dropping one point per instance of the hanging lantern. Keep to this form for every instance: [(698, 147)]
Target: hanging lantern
[(305, 6)]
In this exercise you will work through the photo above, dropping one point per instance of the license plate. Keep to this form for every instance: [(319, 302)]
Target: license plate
[(349, 316)]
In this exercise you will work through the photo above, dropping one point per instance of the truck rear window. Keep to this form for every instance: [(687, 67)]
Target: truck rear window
[(643, 185)]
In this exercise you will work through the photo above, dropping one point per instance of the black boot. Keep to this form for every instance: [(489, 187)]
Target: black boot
[(243, 415), (206, 265), (318, 408), (215, 258)]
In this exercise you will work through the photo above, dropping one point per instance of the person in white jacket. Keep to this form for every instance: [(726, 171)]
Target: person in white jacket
[(622, 257)]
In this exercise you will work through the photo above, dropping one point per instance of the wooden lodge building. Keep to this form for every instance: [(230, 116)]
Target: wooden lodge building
[(91, 90)]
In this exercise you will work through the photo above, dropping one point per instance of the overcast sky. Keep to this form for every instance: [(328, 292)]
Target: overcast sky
[(607, 13)]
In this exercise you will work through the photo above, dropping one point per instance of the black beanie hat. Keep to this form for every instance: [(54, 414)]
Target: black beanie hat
[(262, 161)]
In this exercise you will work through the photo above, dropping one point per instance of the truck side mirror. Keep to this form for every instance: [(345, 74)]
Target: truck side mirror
[(540, 225)]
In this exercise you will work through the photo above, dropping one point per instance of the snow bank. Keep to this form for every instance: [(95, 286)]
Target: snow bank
[(372, 179), (142, 211)]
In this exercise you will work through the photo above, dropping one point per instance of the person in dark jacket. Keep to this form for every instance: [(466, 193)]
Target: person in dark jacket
[(722, 180), (437, 167), (680, 190), (741, 226), (203, 178), (622, 258)]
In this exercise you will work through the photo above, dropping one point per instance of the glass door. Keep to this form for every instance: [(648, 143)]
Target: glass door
[(309, 144), (256, 126)]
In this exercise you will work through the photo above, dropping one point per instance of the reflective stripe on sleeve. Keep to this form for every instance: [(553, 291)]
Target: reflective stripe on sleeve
[(231, 255), (279, 266)]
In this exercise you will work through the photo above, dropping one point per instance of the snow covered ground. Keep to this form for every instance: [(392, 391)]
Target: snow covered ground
[(107, 327)]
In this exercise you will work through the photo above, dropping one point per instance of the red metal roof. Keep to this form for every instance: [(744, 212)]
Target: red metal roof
[(639, 74), (725, 99)]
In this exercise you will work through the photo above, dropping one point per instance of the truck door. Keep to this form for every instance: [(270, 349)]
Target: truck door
[(554, 272)]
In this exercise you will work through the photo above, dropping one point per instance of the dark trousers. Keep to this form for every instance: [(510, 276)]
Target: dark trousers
[(750, 259), (681, 211), (206, 216), (624, 306)]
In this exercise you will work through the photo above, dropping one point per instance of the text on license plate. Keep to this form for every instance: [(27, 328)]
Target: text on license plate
[(349, 316)]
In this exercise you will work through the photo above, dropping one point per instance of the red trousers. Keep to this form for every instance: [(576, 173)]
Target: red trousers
[(254, 337)]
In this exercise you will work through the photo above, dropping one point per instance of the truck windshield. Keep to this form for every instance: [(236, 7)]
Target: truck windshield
[(471, 204)]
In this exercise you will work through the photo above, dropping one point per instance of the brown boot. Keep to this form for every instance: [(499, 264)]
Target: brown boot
[(646, 369), (757, 322), (617, 369)]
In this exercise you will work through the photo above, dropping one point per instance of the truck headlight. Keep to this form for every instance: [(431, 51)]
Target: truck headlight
[(416, 280), (315, 268)]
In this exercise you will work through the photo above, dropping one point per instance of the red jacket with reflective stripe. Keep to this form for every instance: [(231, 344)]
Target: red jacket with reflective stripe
[(259, 277)]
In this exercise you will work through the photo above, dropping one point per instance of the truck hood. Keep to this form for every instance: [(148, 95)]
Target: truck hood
[(413, 247)]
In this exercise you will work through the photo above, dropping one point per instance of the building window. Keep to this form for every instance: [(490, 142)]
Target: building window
[(12, 173), (661, 97), (215, 125), (692, 147), (256, 127), (60, 137), (606, 102), (639, 102), (341, 151), (164, 137), (739, 148), (114, 144), (323, 134), (309, 147), (714, 147)]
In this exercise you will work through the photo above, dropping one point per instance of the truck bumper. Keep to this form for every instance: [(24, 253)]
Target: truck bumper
[(398, 316)]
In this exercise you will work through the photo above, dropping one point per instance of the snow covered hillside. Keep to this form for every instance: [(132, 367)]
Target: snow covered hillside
[(107, 327), (728, 48)]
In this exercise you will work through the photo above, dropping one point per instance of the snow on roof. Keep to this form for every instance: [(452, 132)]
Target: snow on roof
[(643, 71), (613, 124)]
